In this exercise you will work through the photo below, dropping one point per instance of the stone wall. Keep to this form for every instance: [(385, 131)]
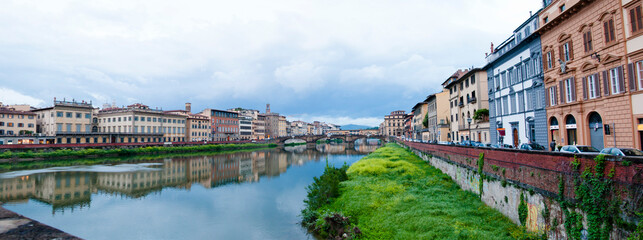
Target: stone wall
[(534, 175)]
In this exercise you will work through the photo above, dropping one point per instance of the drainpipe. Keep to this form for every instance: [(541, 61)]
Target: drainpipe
[(524, 112)]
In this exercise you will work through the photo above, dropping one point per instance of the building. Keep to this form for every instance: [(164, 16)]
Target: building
[(223, 124), (139, 123), (417, 123), (515, 85), (394, 123), (245, 127), (408, 131), (259, 127), (283, 126), (589, 100), (197, 127), (468, 94), (438, 113), (17, 126), (634, 44), (69, 122), (298, 128)]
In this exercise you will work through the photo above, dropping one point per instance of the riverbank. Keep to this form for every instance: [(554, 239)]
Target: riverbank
[(15, 226), (93, 152), (82, 157), (394, 194)]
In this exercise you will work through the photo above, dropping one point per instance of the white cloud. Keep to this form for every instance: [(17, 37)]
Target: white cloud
[(9, 96)]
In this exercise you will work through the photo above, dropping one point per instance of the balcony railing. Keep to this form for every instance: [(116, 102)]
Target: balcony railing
[(461, 104), (472, 100)]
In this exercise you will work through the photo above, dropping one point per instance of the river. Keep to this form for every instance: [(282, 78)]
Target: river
[(242, 195)]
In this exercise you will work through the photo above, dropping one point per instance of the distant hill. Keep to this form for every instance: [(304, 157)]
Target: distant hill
[(354, 127)]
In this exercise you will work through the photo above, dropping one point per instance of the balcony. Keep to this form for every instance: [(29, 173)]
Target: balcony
[(472, 100), (461, 104)]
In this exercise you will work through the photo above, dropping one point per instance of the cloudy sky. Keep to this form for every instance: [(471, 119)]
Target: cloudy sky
[(335, 61)]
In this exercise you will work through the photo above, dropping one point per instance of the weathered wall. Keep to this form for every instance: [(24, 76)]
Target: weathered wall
[(534, 175)]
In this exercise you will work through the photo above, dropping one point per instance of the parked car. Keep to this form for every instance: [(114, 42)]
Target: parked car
[(478, 144), (579, 149), (506, 146), (622, 152), (532, 147)]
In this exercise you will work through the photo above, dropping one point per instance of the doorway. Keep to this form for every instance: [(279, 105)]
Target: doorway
[(570, 124), (596, 131), (515, 136)]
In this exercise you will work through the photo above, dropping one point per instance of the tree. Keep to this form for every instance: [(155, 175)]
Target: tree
[(425, 122), (481, 114)]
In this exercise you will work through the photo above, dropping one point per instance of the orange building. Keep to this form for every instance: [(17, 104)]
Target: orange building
[(587, 90)]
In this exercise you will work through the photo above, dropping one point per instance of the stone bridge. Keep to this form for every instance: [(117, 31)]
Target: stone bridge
[(314, 138)]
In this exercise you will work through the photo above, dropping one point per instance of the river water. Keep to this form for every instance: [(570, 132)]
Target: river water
[(243, 195)]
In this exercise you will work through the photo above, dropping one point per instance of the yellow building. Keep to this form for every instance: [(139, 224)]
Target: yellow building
[(69, 122), (139, 123)]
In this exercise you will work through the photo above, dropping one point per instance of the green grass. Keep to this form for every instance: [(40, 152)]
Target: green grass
[(393, 194)]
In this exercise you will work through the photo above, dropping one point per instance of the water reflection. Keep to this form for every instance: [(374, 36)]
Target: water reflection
[(72, 187)]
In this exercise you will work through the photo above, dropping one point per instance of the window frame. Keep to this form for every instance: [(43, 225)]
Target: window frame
[(591, 87), (609, 33), (639, 68), (615, 85), (634, 27)]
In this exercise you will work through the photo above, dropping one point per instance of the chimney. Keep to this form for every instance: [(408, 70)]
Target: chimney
[(530, 13), (268, 108), (492, 47), (188, 107)]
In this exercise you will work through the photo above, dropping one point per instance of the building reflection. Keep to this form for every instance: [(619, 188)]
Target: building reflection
[(69, 190)]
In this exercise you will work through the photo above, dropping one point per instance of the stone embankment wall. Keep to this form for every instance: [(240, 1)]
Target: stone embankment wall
[(537, 177)]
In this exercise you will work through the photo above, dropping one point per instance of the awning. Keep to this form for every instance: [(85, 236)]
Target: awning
[(501, 131)]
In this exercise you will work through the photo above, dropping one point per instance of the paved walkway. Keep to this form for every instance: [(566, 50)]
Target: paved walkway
[(15, 226)]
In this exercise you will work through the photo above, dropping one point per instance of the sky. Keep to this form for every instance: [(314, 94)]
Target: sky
[(342, 62)]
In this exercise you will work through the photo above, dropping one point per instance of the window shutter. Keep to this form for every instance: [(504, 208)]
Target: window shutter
[(555, 95), (547, 103), (571, 49), (633, 20), (606, 31), (597, 85), (545, 61), (562, 91), (621, 79), (573, 89), (606, 84), (584, 80), (560, 53), (585, 42), (630, 77)]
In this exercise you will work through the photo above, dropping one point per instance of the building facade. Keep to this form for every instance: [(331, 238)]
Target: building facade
[(417, 125), (394, 123), (259, 127), (16, 126), (632, 10), (69, 122), (139, 123), (223, 124), (467, 95), (515, 85), (438, 113), (587, 92)]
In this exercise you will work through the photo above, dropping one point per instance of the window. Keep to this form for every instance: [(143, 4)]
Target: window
[(592, 86), (639, 66), (608, 31), (587, 41), (9, 124), (566, 53), (548, 60), (511, 77), (473, 79), (562, 8), (21, 125), (615, 80), (68, 115), (59, 114), (68, 127), (545, 20), (79, 115), (59, 127), (513, 103), (553, 100), (570, 90), (530, 99), (505, 105), (636, 22)]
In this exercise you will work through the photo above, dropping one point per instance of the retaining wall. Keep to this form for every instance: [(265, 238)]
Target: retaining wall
[(535, 175)]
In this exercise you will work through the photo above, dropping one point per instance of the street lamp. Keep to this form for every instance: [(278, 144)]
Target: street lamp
[(469, 121)]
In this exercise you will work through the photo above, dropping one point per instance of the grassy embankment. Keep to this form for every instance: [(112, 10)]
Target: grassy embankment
[(393, 194), (66, 157)]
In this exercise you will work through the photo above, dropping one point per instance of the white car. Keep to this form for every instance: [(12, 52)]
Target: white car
[(579, 149)]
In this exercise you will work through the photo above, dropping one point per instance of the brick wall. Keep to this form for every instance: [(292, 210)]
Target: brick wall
[(540, 170)]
